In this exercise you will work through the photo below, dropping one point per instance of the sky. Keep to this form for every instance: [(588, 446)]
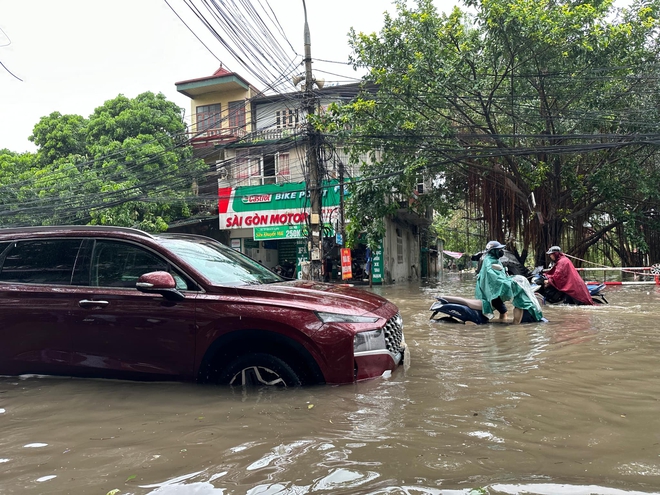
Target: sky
[(73, 55)]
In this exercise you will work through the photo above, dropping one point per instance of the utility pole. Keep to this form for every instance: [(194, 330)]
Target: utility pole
[(314, 184), (342, 230)]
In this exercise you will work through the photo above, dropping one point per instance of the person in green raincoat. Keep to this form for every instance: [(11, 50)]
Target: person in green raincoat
[(494, 287)]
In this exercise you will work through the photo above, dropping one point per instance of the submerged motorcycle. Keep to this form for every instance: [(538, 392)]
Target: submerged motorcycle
[(466, 310), (463, 310), (550, 294), (459, 310)]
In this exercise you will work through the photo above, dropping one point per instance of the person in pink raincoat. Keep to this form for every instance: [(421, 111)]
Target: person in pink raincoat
[(564, 277)]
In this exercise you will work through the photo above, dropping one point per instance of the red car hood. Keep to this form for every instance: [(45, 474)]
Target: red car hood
[(316, 296)]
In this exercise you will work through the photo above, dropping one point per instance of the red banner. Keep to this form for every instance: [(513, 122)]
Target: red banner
[(346, 263)]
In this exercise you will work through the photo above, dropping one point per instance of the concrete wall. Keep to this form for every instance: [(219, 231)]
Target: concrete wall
[(395, 270)]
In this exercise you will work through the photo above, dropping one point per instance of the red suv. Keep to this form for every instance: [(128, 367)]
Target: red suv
[(114, 302)]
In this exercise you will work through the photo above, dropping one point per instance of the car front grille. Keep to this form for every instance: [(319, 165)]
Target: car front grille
[(394, 333)]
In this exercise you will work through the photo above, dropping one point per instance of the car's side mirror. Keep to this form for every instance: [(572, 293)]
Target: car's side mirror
[(159, 283)]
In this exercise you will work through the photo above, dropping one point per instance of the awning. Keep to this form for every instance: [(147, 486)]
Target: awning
[(453, 254)]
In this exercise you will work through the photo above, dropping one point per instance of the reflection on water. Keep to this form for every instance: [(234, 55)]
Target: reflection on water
[(568, 407)]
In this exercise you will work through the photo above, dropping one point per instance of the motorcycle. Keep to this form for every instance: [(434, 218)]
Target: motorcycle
[(464, 310), (286, 270), (459, 310), (554, 296), (550, 294)]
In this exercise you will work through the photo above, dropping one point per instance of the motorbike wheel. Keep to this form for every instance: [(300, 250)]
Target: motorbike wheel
[(259, 370)]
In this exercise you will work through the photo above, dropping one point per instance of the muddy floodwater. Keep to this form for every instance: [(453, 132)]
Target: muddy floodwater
[(567, 407)]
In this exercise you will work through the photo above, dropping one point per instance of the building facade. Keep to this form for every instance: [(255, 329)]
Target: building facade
[(257, 147)]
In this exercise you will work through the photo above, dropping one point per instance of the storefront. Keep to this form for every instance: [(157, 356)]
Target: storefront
[(269, 223)]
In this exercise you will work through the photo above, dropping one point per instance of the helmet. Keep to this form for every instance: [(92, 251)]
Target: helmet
[(494, 245), (554, 249)]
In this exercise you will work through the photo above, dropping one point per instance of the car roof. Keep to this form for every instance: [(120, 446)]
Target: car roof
[(72, 229)]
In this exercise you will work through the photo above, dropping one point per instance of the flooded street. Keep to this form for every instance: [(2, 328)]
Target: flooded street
[(567, 407)]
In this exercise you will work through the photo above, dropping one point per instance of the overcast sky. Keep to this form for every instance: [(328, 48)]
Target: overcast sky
[(73, 55)]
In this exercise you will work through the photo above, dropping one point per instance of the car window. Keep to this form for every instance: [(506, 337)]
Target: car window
[(49, 261), (119, 264), (217, 262)]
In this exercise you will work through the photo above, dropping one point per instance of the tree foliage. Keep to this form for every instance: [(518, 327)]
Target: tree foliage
[(541, 114), (127, 164)]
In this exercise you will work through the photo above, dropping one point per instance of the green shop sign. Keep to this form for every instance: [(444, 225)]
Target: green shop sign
[(284, 232), (287, 196), (274, 205), (287, 232), (377, 264)]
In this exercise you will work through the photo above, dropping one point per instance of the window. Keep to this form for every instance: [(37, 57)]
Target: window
[(236, 114), (286, 119), (399, 247), (119, 264), (219, 263), (254, 170), (420, 188), (247, 166), (49, 262), (242, 164), (208, 117), (283, 165), (269, 169)]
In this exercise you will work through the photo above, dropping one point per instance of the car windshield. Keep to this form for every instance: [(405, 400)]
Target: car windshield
[(219, 263)]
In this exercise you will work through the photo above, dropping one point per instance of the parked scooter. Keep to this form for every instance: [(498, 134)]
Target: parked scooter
[(286, 270)]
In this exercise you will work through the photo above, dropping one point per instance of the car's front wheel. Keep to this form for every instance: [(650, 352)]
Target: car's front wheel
[(258, 370)]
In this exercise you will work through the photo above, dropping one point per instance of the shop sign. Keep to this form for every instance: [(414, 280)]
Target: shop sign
[(302, 255), (284, 232), (287, 232), (346, 264), (273, 205), (257, 198), (377, 265)]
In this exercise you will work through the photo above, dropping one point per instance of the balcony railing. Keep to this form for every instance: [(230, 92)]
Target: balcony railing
[(213, 135), (272, 134)]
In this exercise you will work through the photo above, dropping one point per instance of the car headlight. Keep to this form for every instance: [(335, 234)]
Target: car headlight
[(369, 341), (337, 318)]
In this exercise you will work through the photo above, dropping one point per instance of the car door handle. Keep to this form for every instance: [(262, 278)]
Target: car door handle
[(86, 303)]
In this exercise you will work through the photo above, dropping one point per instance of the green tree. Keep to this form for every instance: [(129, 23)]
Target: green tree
[(541, 114), (59, 136), (128, 164), (14, 168)]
